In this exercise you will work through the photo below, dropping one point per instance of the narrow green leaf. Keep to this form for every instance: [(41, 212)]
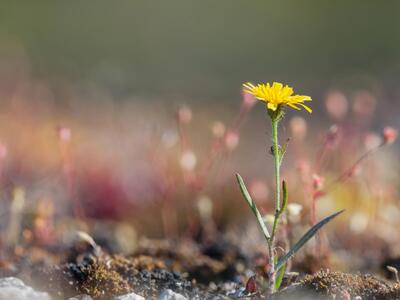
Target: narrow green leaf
[(253, 206), (285, 196), (279, 278), (304, 239)]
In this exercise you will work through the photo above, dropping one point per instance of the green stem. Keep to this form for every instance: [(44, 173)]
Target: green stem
[(278, 156), (271, 274), (277, 160), (275, 117)]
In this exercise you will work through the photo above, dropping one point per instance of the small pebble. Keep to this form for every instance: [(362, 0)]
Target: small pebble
[(131, 296), (170, 295), (81, 297)]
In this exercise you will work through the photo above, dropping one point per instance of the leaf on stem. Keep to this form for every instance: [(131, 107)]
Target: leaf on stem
[(253, 207), (285, 196), (304, 239), (279, 278)]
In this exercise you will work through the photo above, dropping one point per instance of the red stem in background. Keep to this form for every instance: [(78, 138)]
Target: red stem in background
[(68, 170), (217, 147), (349, 172)]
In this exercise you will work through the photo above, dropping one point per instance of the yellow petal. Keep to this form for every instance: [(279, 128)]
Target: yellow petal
[(293, 106), (306, 107), (277, 85)]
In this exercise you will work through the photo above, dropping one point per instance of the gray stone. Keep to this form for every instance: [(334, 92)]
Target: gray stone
[(81, 297), (170, 295), (13, 288), (131, 296)]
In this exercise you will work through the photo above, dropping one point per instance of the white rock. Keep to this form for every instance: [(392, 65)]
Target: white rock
[(131, 296), (170, 295), (13, 288), (81, 297)]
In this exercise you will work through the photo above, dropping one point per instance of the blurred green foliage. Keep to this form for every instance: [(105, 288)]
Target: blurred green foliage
[(204, 48)]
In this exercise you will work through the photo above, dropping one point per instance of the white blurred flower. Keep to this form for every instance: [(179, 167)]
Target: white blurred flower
[(269, 219), (372, 140), (358, 222), (390, 213), (169, 138), (205, 207), (294, 212), (188, 161), (294, 209)]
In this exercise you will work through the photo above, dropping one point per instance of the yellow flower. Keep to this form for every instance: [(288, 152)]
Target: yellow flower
[(277, 95)]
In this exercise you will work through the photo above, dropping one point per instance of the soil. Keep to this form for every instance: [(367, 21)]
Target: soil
[(216, 271), (337, 285)]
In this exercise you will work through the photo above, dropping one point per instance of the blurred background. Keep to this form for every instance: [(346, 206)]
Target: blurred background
[(133, 110)]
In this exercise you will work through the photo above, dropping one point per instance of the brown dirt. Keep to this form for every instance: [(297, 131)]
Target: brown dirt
[(337, 285)]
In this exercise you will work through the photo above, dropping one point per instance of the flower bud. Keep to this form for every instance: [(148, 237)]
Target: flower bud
[(389, 135), (318, 182)]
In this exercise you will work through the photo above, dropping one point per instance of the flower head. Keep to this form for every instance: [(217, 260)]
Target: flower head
[(277, 95)]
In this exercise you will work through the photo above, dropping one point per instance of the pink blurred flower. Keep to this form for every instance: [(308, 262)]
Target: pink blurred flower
[(3, 151), (218, 129), (259, 190), (64, 134), (355, 171), (364, 103), (298, 127), (248, 100), (185, 115), (336, 104), (231, 140), (389, 135), (318, 182)]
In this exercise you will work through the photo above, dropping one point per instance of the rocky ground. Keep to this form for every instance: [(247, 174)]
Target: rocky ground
[(165, 270)]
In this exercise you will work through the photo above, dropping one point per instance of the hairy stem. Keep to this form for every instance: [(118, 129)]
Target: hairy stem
[(277, 160)]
